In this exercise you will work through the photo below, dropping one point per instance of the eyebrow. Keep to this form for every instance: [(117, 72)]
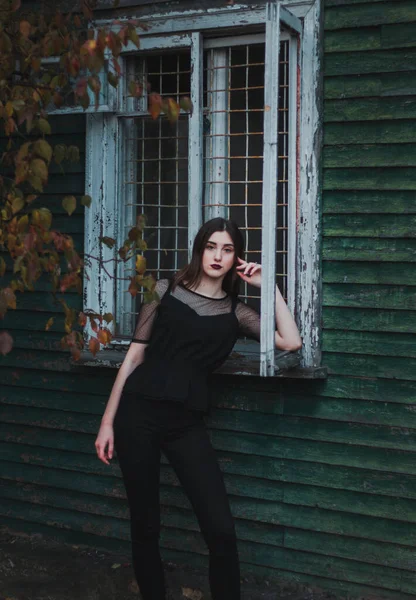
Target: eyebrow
[(215, 243)]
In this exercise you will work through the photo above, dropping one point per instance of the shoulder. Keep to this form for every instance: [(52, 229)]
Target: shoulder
[(161, 287)]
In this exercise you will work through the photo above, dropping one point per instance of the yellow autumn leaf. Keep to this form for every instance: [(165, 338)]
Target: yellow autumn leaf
[(49, 324), (17, 205), (43, 149), (140, 264), (39, 169), (69, 203)]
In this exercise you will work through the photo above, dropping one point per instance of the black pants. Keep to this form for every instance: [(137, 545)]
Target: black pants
[(142, 429)]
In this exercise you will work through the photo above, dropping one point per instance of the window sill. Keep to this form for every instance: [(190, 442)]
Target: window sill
[(244, 360)]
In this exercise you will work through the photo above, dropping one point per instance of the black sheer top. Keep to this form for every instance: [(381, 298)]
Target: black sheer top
[(188, 336)]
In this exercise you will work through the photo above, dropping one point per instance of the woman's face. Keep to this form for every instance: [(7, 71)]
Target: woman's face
[(219, 255)]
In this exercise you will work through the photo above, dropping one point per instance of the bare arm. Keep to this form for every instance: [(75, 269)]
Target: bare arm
[(287, 335), (133, 358), (104, 444)]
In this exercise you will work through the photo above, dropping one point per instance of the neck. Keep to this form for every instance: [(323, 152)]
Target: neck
[(210, 287)]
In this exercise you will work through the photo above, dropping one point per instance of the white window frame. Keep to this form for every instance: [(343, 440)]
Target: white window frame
[(103, 154)]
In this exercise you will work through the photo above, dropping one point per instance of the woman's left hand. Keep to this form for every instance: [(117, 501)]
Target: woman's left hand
[(249, 272)]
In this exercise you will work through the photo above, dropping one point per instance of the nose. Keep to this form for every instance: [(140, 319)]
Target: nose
[(217, 254)]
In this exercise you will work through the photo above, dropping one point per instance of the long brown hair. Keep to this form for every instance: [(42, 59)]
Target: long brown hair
[(192, 273)]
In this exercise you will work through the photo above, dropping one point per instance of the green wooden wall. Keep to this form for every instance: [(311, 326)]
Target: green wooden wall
[(321, 475)]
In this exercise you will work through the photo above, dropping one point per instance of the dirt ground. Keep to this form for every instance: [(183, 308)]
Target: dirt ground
[(34, 568)]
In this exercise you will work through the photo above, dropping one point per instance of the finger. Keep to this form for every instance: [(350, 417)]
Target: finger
[(103, 458), (110, 449)]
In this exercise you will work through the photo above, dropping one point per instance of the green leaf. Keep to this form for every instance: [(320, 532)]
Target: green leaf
[(73, 153), (69, 203), (17, 204), (43, 126), (39, 169), (109, 242), (59, 153), (43, 149), (113, 79), (45, 217), (86, 201), (35, 182)]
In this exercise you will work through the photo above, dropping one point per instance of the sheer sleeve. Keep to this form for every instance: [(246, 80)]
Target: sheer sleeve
[(249, 320), (147, 314)]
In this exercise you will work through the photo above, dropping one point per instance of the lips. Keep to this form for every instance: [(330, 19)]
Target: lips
[(217, 267)]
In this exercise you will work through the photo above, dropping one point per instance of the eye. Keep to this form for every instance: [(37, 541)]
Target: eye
[(209, 247), (228, 250)]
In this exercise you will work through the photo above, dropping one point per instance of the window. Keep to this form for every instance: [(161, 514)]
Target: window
[(241, 69)]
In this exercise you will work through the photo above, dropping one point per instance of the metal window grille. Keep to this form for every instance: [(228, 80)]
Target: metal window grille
[(155, 177), (233, 133), (154, 161)]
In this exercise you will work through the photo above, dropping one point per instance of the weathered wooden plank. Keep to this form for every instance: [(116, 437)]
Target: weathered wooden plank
[(354, 319), (344, 547), (369, 388), (37, 359), (338, 568), (319, 496), (75, 184), (353, 225), (354, 411), (94, 405), (375, 61), (183, 521), (369, 14), (402, 35), (369, 179), (360, 86), (46, 340), (31, 321), (250, 445), (352, 40), (370, 155), (370, 296), (270, 427), (273, 427), (172, 537), (370, 109), (98, 506), (20, 377), (363, 342), (389, 202), (44, 301), (67, 124), (398, 36), (269, 532), (70, 400), (370, 132), (379, 366), (371, 272), (248, 476), (369, 249)]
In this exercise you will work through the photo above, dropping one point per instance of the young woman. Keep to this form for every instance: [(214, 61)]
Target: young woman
[(160, 396)]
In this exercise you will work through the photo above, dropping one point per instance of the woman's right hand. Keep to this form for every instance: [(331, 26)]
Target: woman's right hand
[(105, 437)]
